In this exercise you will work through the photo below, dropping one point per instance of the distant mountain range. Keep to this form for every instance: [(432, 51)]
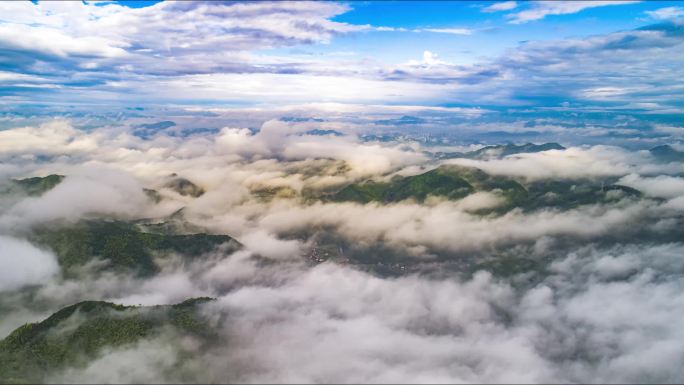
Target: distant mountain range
[(500, 151), (667, 154), (456, 182), (36, 186)]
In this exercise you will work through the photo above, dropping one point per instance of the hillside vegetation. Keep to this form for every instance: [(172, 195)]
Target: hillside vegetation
[(75, 335), (500, 151), (456, 182), (124, 246)]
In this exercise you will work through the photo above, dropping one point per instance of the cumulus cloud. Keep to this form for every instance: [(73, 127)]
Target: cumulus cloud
[(230, 157), (358, 328), (331, 323), (662, 186), (573, 69), (90, 191), (111, 49), (577, 316), (562, 57), (269, 245), (456, 328), (570, 163), (449, 225), (282, 155), (51, 138), (103, 31), (24, 264), (312, 325)]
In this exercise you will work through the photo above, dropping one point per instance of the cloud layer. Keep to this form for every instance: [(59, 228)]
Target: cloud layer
[(24, 264), (101, 51), (599, 299)]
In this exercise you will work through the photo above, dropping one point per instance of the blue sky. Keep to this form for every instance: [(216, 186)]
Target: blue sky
[(525, 54), (492, 32)]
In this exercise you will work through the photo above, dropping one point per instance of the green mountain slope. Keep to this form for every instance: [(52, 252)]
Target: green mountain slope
[(452, 182), (37, 185), (76, 334), (566, 194), (122, 245), (456, 182)]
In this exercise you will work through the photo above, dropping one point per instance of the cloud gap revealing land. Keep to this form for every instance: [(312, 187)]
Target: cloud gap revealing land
[(341, 192)]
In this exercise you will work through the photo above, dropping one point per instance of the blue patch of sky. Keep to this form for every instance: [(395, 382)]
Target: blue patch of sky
[(132, 3), (492, 33)]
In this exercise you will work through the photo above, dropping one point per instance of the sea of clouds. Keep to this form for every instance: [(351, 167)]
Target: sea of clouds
[(607, 309)]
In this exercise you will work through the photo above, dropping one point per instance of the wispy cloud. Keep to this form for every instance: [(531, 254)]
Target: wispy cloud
[(502, 6), (454, 31), (119, 39), (540, 9), (666, 13), (103, 51)]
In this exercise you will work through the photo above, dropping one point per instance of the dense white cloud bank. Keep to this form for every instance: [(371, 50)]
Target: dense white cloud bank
[(283, 155), (23, 264), (608, 314), (604, 305)]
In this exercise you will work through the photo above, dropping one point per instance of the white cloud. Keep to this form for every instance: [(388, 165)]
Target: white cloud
[(114, 41), (285, 88), (277, 22), (429, 59), (89, 190), (57, 137), (574, 162), (502, 6), (330, 323), (54, 41), (662, 186), (604, 93), (113, 50), (141, 363), (666, 13), (453, 31), (540, 9), (271, 246), (23, 264)]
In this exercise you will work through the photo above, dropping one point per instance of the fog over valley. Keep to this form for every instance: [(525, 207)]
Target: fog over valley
[(377, 256), (281, 192)]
